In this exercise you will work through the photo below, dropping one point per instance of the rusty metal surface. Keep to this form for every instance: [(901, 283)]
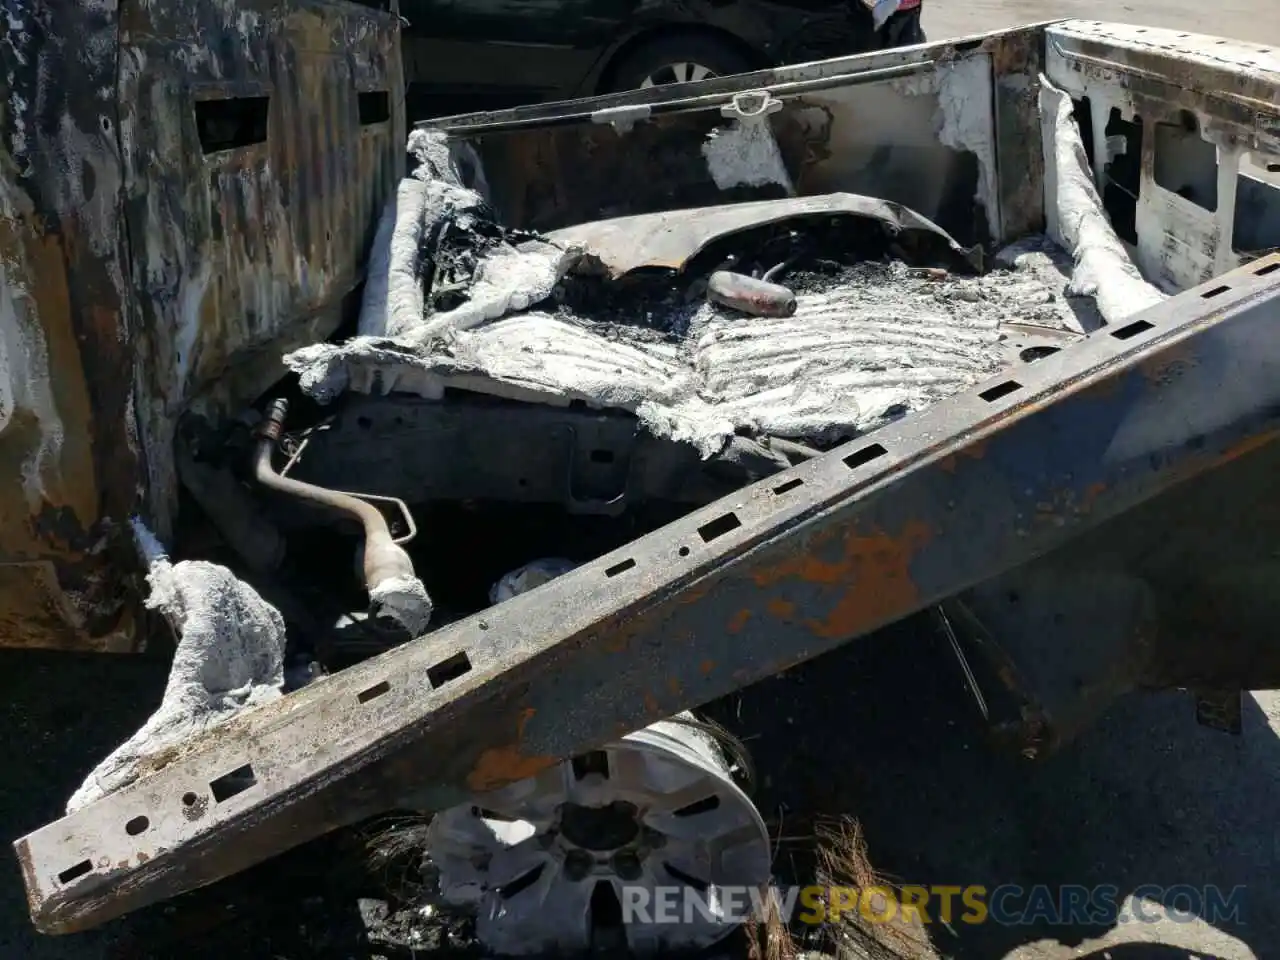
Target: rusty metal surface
[(770, 576), (670, 239), (68, 466), (1016, 60), (144, 270), (1180, 592)]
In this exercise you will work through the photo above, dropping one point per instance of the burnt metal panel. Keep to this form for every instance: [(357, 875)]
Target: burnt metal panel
[(1016, 63), (1183, 591), (775, 574), (155, 250), (260, 142), (909, 125), (1222, 96), (587, 461), (68, 466)]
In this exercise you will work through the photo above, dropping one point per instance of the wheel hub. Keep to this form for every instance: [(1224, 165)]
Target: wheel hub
[(682, 72)]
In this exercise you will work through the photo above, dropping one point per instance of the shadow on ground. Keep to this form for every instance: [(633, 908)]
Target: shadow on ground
[(883, 730)]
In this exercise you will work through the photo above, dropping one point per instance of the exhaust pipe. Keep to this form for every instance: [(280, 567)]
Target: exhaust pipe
[(393, 587)]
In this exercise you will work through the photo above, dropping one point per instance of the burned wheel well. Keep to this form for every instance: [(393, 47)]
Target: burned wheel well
[(673, 31)]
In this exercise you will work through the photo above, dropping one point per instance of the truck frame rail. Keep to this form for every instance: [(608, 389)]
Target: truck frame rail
[(775, 574)]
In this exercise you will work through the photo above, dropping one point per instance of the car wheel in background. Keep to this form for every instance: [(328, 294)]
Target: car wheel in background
[(902, 30), (676, 60)]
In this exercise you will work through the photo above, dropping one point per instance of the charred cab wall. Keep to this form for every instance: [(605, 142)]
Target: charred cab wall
[(950, 129), (187, 187)]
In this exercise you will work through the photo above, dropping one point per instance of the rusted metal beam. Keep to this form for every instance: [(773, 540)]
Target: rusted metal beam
[(773, 575)]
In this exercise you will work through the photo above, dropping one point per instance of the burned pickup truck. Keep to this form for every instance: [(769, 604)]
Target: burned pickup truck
[(639, 399)]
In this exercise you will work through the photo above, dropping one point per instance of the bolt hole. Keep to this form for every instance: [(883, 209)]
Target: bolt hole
[(1000, 390), (189, 799), (233, 784), (860, 458), (364, 423), (377, 690), (1032, 354), (136, 826), (449, 670), (683, 551), (76, 872), (719, 527), (618, 568), (1133, 329)]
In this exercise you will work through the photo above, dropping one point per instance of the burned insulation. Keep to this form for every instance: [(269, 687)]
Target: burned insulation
[(891, 314)]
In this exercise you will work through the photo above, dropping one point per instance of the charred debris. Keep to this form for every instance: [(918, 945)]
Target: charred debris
[(472, 484)]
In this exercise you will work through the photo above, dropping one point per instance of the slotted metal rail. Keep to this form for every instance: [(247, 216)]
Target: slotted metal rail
[(773, 575)]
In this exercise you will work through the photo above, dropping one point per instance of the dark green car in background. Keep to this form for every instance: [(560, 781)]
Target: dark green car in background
[(466, 55)]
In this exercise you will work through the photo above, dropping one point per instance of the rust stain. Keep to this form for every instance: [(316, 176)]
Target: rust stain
[(873, 572), (782, 609), (1066, 502), (695, 595), (1091, 494), (973, 451), (1248, 445), (499, 766), (650, 704), (706, 666), (614, 643), (738, 621), (673, 685)]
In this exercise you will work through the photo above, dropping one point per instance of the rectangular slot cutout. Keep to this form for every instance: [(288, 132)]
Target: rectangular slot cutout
[(860, 458), (1186, 163), (1255, 221), (1133, 329), (232, 123), (788, 486), (719, 527), (992, 394), (76, 872), (448, 670), (373, 107), (1269, 268), (621, 567), (232, 784), (1216, 291), (377, 690)]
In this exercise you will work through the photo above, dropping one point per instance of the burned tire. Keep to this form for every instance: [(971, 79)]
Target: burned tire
[(675, 60)]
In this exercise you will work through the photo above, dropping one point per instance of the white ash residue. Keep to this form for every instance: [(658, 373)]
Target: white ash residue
[(867, 344), (229, 656)]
